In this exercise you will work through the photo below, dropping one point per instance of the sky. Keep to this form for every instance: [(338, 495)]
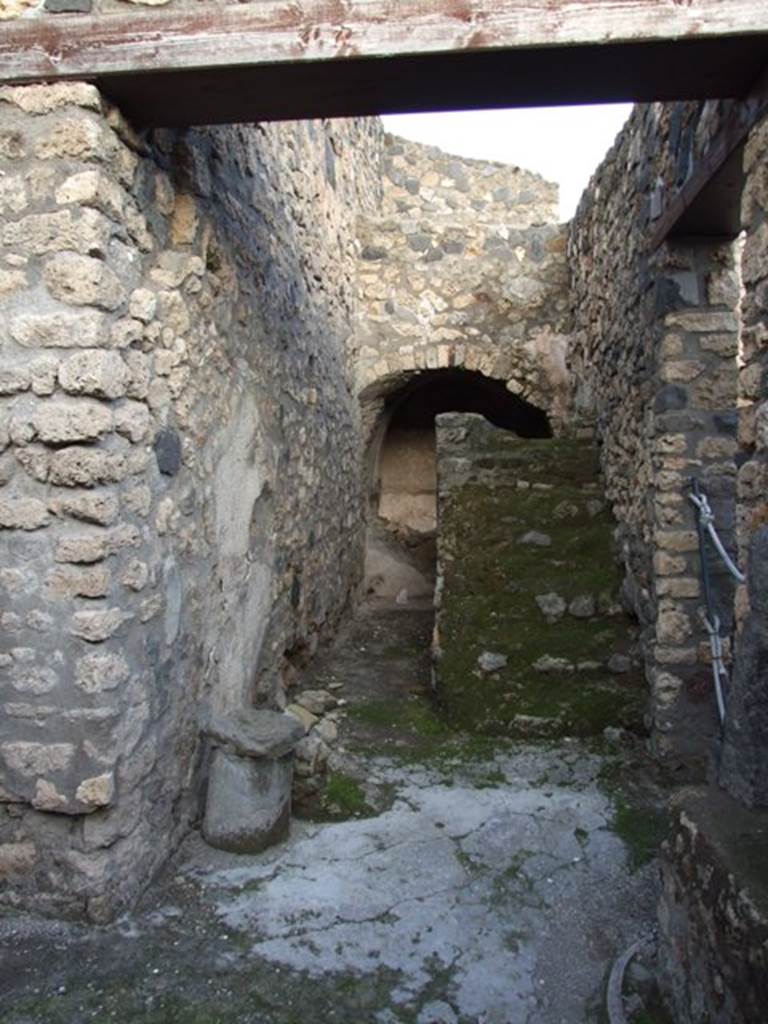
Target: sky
[(564, 144)]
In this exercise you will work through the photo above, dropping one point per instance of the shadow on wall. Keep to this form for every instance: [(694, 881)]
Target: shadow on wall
[(402, 471)]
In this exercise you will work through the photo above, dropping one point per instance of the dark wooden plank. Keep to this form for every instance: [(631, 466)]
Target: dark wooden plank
[(708, 204), (358, 87), (273, 31)]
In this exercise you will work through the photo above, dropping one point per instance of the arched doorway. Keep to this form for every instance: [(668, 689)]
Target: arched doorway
[(401, 468)]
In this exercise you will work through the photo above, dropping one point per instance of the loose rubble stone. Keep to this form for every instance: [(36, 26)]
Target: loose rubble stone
[(491, 661), (317, 702), (552, 606), (533, 537), (582, 607), (306, 718)]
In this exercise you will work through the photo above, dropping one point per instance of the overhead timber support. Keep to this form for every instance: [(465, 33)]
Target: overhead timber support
[(272, 59)]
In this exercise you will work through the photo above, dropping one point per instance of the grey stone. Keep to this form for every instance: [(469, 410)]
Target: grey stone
[(491, 661), (168, 451), (69, 6), (547, 663), (582, 607), (255, 732), (316, 701), (551, 605), (373, 253), (619, 663), (670, 398), (533, 537), (248, 804)]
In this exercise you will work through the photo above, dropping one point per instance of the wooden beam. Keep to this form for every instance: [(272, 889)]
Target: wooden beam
[(52, 47), (709, 203)]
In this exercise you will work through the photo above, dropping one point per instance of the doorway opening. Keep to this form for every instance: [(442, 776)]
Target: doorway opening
[(403, 472)]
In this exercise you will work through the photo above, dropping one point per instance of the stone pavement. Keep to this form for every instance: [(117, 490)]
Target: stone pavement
[(493, 890)]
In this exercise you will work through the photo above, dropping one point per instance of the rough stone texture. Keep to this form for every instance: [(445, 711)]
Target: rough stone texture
[(654, 365), (463, 266), (179, 461), (713, 911), (255, 733), (509, 659), (743, 765), (248, 804)]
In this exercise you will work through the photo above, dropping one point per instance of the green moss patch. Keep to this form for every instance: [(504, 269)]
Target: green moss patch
[(492, 577)]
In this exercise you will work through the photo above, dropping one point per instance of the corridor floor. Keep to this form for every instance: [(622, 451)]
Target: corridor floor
[(483, 882)]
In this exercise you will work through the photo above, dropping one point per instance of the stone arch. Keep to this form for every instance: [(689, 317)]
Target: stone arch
[(400, 466)]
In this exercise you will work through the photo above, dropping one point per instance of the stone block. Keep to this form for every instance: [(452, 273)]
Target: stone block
[(78, 466), (248, 804), (31, 759), (101, 508), (17, 858), (44, 99), (59, 330), (95, 372), (82, 549), (97, 626), (61, 422), (98, 672), (40, 233), (83, 281), (23, 514), (254, 733), (69, 581)]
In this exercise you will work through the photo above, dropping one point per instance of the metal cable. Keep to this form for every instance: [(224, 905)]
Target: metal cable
[(705, 527)]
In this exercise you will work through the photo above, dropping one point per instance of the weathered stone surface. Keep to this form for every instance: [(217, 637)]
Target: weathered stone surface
[(23, 514), (101, 671), (306, 719), (95, 372), (552, 606), (44, 99), (90, 507), (59, 330), (86, 467), (17, 858), (66, 582), (28, 758), (248, 804), (97, 626), (168, 452), (132, 420), (713, 959), (491, 661), (535, 538), (60, 422), (317, 702), (83, 281), (255, 733), (42, 233), (96, 791)]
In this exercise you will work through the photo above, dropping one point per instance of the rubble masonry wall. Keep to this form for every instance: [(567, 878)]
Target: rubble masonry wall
[(180, 507), (654, 362)]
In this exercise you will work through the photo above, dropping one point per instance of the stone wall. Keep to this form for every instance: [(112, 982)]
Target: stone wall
[(713, 913), (654, 363), (744, 768), (180, 503), (464, 265)]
